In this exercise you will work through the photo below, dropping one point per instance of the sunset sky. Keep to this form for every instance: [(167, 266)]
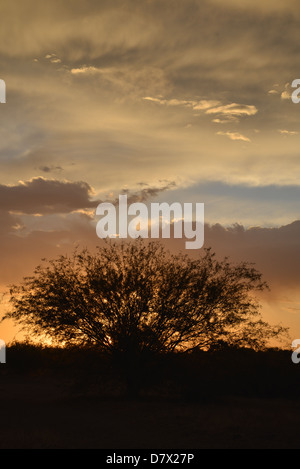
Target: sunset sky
[(168, 100)]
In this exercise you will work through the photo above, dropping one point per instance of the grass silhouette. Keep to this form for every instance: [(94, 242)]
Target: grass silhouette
[(76, 398)]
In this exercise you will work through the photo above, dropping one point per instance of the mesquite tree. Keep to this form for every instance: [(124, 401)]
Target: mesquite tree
[(136, 298)]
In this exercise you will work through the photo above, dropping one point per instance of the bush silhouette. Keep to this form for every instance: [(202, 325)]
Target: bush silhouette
[(136, 300)]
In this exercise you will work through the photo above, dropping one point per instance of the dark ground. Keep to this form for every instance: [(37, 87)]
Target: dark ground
[(54, 399)]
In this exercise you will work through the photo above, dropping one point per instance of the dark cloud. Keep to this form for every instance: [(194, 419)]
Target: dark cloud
[(9, 223), (147, 193), (275, 251), (21, 254), (44, 196), (50, 169)]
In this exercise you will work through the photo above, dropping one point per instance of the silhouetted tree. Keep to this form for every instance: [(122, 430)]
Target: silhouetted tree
[(134, 299)]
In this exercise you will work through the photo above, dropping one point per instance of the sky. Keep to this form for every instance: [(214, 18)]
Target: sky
[(186, 101)]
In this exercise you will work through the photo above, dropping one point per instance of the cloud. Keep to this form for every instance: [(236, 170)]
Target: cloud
[(9, 223), (209, 106), (227, 120), (53, 58), (201, 105), (275, 251), (235, 136), (150, 192), (22, 251), (207, 58), (172, 102), (234, 110), (288, 132), (85, 70), (44, 196), (146, 193), (196, 62), (267, 6), (287, 92), (127, 79), (50, 169), (205, 104), (228, 113)]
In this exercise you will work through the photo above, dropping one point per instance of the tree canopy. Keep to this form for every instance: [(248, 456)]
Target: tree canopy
[(137, 297)]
